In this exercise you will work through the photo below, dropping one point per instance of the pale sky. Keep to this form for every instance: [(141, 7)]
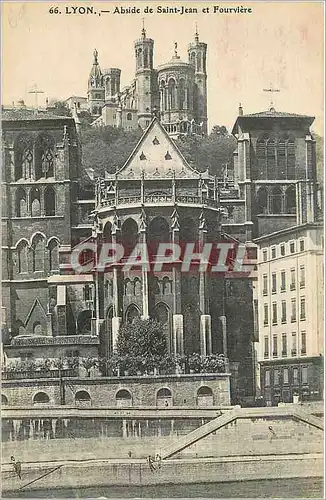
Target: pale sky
[(279, 43)]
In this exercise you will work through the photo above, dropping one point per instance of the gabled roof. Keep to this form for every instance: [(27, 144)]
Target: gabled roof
[(157, 155)]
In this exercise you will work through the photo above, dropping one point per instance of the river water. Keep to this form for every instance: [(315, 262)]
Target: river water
[(276, 488)]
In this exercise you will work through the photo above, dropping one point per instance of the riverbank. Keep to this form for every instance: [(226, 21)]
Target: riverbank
[(104, 473)]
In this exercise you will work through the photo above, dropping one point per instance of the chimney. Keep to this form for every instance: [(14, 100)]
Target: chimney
[(240, 110)]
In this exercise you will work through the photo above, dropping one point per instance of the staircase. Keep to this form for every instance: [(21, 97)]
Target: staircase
[(229, 416)]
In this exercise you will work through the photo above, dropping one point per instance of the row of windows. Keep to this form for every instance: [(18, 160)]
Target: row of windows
[(282, 282), (32, 258), (282, 250), (34, 158), (29, 204), (123, 397), (286, 376), (275, 157), (293, 311), (276, 201), (286, 349)]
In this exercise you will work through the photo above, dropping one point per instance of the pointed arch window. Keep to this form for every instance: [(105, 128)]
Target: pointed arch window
[(35, 198), (49, 201), (271, 159), (171, 93), (276, 202), (44, 156), (54, 255), (23, 155), (291, 159), (182, 94), (262, 200), (38, 253), (290, 200), (21, 203), (281, 158), (261, 151), (22, 251)]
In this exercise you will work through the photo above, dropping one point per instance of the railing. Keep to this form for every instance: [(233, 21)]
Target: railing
[(132, 200), (31, 374), (60, 340)]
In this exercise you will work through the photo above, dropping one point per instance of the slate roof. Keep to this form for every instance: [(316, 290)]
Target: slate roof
[(275, 114)]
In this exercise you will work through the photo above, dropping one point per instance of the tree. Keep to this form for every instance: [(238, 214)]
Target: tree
[(60, 108), (142, 338)]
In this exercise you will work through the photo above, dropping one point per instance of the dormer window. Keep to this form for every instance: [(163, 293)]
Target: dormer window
[(168, 156), (142, 156)]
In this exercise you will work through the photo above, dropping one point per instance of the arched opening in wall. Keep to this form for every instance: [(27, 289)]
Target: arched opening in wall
[(276, 204), (271, 159), (191, 328), (128, 287), (107, 232), (166, 285), (129, 116), (23, 157), (84, 322), (44, 156), (262, 201), (4, 400), (49, 201), (22, 251), (54, 255), (164, 397), (205, 397), (163, 316), (199, 58), (95, 110), (132, 313), (261, 157), (158, 232), (290, 200), (281, 157), (37, 329), (182, 94), (171, 94), (41, 398), (291, 159), (21, 203), (145, 58), (188, 230), (38, 253), (123, 399), (108, 328), (82, 398), (129, 235), (193, 59), (35, 202), (137, 287)]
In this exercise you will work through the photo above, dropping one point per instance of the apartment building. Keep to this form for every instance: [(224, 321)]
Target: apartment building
[(289, 304)]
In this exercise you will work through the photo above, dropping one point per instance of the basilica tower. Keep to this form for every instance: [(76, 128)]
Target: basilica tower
[(144, 51), (96, 91), (197, 58)]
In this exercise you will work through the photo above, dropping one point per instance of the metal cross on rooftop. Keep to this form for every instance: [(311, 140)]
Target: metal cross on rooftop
[(36, 91), (271, 90)]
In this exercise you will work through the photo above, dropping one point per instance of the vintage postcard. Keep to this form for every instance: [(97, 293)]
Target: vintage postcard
[(162, 249)]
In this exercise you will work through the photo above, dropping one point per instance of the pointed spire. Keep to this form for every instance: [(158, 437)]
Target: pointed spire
[(143, 31), (95, 77), (196, 34), (176, 50)]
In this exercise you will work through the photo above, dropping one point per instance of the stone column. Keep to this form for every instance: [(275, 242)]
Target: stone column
[(205, 319), (177, 319), (144, 272), (116, 301)]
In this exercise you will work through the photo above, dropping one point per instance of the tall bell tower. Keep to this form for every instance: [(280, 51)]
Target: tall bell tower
[(96, 91), (197, 58), (144, 51)]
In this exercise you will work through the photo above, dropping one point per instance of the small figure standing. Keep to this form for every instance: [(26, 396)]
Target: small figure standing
[(151, 463), (17, 466), (158, 460)]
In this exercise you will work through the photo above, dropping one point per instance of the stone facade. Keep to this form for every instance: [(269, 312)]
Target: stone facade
[(176, 91)]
